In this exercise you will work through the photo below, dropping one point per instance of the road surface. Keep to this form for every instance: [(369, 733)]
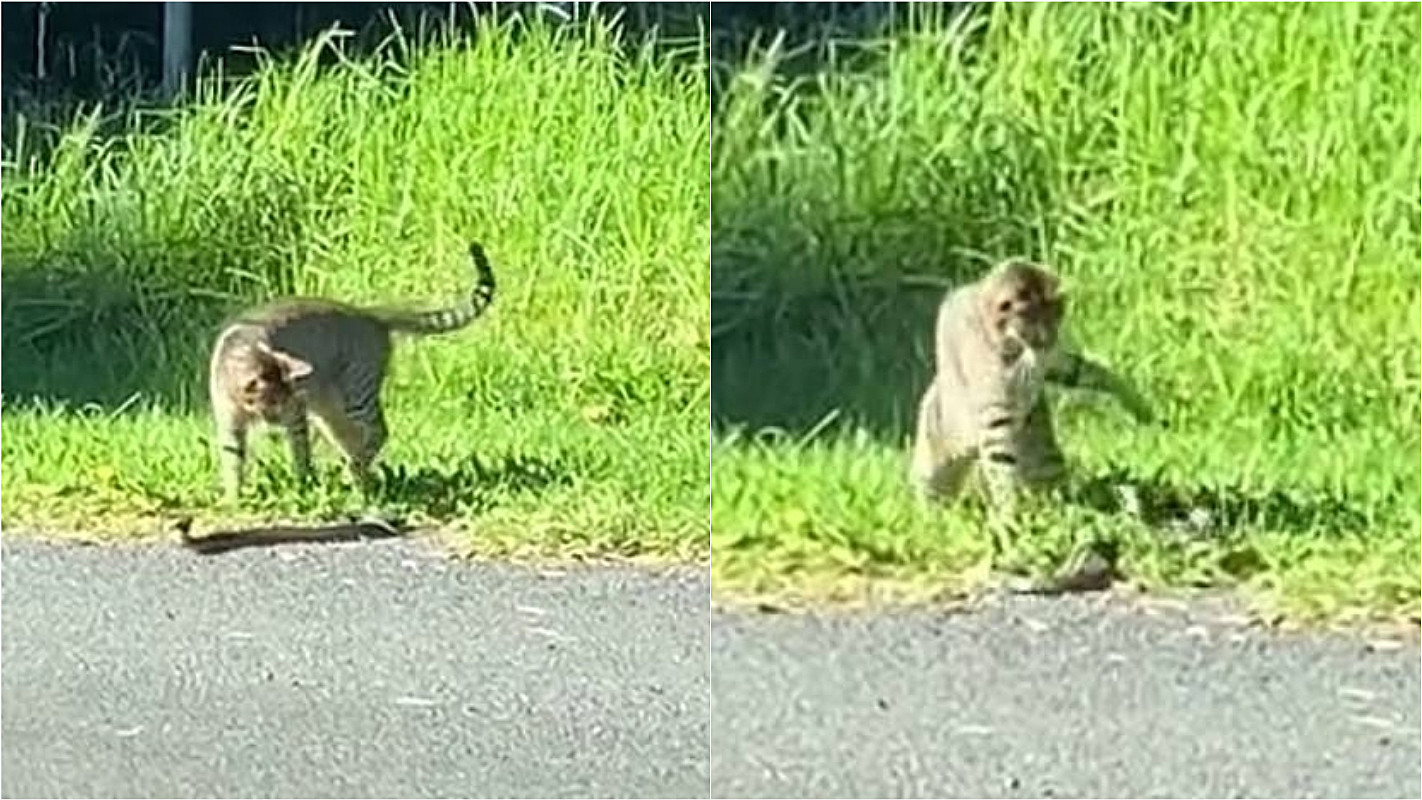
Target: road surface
[(372, 669), (1080, 696), (377, 669)]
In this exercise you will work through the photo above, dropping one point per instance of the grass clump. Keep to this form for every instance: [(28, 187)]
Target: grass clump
[(570, 419), (1231, 194)]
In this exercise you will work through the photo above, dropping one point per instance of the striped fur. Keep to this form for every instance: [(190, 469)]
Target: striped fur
[(997, 345), (448, 319), (302, 359)]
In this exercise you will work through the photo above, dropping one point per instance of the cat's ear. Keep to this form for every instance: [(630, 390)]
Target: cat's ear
[(1050, 284), (292, 368)]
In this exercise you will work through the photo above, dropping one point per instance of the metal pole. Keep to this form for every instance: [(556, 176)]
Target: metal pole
[(177, 47)]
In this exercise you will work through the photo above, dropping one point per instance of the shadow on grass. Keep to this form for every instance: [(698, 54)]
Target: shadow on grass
[(1199, 511), (98, 314), (95, 335), (471, 486), (468, 488), (805, 360)]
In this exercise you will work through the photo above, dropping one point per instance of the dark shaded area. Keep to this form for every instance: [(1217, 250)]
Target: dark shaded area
[(108, 313), (471, 486), (1198, 523), (98, 51), (63, 58), (465, 488), (811, 30), (1195, 524), (75, 338), (1197, 511), (58, 56), (847, 354), (228, 540), (803, 38)]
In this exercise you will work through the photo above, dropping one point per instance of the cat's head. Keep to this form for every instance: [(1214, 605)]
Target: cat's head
[(1022, 305), (267, 381)]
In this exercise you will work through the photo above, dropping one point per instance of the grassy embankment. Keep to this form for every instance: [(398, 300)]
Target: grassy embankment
[(570, 420), (1232, 197)]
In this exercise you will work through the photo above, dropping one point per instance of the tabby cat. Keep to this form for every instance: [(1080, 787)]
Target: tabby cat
[(301, 358), (996, 346)]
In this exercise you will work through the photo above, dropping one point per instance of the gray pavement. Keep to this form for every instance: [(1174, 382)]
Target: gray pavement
[(372, 669), (380, 669), (1078, 696)]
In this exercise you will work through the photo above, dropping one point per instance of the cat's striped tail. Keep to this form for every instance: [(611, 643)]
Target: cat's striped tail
[(450, 319)]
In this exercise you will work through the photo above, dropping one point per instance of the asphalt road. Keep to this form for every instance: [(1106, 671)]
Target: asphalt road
[(378, 669), (1075, 696), (372, 669)]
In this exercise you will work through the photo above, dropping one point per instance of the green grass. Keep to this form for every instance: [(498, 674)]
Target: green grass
[(571, 420), (1231, 194)]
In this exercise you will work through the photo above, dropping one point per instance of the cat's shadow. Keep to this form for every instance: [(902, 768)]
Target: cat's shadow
[(462, 489), (470, 486), (227, 540)]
